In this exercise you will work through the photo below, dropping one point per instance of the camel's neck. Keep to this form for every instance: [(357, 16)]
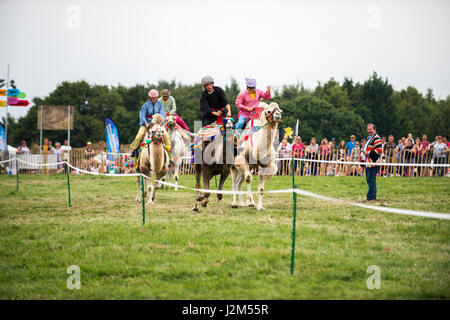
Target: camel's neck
[(156, 156), (269, 132)]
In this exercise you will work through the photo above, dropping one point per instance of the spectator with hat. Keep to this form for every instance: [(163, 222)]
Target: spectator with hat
[(351, 144)]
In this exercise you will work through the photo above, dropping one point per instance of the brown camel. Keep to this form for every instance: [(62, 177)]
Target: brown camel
[(217, 157)]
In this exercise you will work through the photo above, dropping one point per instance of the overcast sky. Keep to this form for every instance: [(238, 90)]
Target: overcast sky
[(278, 42)]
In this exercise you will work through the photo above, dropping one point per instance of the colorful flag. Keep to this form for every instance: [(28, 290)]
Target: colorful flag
[(112, 139), (3, 146)]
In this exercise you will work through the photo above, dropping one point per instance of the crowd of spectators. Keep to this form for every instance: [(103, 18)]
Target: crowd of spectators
[(347, 156)]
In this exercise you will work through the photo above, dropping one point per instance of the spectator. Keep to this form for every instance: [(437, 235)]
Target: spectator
[(355, 169), (58, 153), (324, 152), (400, 154), (89, 153), (46, 148), (444, 139), (351, 144), (370, 153), (410, 138), (65, 149), (95, 167), (417, 151), (51, 147), (439, 155), (23, 149), (389, 152), (333, 148), (408, 152), (341, 155), (298, 149), (312, 152), (284, 151)]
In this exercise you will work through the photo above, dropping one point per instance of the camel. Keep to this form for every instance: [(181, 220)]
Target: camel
[(154, 158), (178, 147), (258, 151), (217, 159)]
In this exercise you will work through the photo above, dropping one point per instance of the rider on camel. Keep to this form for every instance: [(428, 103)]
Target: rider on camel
[(168, 102), (148, 109), (213, 103), (247, 102)]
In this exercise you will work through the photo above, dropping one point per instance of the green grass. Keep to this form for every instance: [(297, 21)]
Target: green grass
[(240, 254)]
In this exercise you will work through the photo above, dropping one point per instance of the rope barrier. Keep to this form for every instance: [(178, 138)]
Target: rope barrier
[(436, 215), (364, 163)]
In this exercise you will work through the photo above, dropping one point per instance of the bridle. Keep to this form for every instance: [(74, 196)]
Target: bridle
[(269, 116)]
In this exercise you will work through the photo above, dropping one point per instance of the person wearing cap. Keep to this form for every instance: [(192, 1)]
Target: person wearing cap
[(148, 109), (351, 144), (247, 102), (213, 103), (170, 106)]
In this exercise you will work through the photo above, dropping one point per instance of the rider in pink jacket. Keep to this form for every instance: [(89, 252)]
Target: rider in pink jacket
[(248, 100)]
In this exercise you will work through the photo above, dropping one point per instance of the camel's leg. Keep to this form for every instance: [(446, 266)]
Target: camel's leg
[(223, 177), (240, 181), (176, 169), (138, 183), (198, 175), (265, 175), (248, 180), (159, 176), (150, 186), (234, 178), (206, 178)]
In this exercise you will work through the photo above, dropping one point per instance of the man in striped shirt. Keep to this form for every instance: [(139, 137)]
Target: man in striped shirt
[(371, 152)]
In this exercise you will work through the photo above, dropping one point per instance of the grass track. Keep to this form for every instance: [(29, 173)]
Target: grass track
[(241, 254)]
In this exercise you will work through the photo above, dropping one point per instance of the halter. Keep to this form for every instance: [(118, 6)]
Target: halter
[(269, 117)]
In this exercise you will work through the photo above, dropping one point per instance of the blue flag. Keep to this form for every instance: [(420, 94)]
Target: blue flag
[(112, 139), (3, 145)]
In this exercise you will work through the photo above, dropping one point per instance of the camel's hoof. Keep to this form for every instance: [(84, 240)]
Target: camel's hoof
[(220, 211), (242, 204), (251, 205), (204, 204), (234, 206), (195, 209), (260, 208), (137, 200)]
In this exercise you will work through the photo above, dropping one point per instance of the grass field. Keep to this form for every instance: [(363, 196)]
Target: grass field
[(240, 254)]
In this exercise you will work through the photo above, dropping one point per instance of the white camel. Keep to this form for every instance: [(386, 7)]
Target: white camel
[(178, 148), (258, 151), (154, 158)]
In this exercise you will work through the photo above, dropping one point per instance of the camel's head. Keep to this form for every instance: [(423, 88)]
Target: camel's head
[(272, 112), (156, 134), (229, 123), (171, 121), (157, 119)]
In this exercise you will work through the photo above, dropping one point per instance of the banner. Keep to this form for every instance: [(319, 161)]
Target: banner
[(54, 117), (112, 139), (3, 145)]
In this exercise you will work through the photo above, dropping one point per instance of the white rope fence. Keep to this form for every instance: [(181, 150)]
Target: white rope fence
[(435, 215)]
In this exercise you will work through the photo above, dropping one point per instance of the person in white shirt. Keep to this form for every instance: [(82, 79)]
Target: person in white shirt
[(23, 149), (65, 150), (284, 151)]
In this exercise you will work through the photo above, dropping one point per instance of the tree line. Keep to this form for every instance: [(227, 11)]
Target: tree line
[(331, 109)]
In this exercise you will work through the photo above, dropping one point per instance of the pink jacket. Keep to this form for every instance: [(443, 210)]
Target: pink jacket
[(244, 101)]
